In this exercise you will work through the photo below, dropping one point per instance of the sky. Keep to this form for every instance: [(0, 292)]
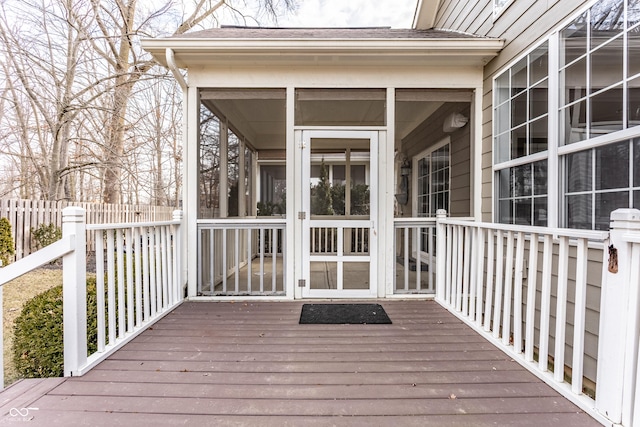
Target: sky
[(352, 13)]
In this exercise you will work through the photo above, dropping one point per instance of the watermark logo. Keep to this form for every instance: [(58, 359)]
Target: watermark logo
[(21, 414)]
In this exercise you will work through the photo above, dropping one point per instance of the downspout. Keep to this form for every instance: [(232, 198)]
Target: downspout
[(186, 218), (171, 63)]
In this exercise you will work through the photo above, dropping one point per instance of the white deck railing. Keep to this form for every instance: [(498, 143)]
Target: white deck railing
[(241, 256), (137, 280), (618, 382), (415, 244), (35, 260), (536, 293), (142, 281), (525, 289)]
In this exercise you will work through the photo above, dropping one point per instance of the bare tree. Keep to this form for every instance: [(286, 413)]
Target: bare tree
[(120, 29), (73, 69), (43, 56)]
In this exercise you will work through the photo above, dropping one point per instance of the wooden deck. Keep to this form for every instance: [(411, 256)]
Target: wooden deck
[(253, 364)]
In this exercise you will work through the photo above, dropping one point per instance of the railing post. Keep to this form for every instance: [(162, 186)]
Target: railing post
[(180, 255), (74, 291), (618, 333), (441, 258)]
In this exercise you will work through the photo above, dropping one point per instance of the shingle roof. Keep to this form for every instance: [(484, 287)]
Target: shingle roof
[(232, 32)]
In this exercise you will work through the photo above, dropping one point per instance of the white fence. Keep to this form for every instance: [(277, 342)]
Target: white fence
[(27, 214), (142, 262)]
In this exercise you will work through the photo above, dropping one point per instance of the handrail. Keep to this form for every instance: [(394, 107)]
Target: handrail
[(404, 222), (246, 222), (45, 255), (528, 229), (631, 237), (98, 227)]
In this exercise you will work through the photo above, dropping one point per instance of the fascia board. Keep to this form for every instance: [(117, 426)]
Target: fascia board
[(475, 47)]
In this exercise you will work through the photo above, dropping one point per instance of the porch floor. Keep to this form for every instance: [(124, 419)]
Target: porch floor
[(249, 363)]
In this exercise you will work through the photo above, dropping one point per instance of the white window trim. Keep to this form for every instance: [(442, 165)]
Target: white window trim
[(525, 160), (414, 171), (552, 138), (424, 255)]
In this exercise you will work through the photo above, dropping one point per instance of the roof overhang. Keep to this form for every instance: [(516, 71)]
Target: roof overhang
[(425, 16), (203, 52)]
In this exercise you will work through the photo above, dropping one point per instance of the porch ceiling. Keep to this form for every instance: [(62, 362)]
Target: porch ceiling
[(262, 122)]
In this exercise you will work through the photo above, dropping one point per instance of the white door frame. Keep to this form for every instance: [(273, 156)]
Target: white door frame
[(307, 223)]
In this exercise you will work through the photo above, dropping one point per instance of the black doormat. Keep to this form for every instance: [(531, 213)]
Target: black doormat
[(335, 314)]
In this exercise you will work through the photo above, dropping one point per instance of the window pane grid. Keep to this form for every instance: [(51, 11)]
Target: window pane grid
[(523, 194), (606, 182), (598, 94), (601, 40), (518, 199), (574, 62), (433, 182), (527, 84)]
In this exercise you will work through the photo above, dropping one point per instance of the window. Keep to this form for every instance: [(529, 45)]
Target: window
[(273, 190), (432, 177), (523, 194), (589, 165), (600, 180), (592, 74), (521, 114), (599, 97)]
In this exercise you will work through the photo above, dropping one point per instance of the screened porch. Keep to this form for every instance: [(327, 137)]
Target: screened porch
[(259, 199)]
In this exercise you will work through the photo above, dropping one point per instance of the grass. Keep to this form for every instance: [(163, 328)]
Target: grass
[(15, 294)]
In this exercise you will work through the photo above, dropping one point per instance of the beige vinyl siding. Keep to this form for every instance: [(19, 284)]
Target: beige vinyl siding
[(592, 314), (455, 14), (429, 133), (465, 16), (461, 172), (480, 18), (523, 24)]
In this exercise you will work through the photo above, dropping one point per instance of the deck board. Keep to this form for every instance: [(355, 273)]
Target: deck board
[(253, 364)]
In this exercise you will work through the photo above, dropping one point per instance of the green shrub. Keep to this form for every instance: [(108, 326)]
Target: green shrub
[(46, 234), (7, 246), (321, 197), (38, 340)]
